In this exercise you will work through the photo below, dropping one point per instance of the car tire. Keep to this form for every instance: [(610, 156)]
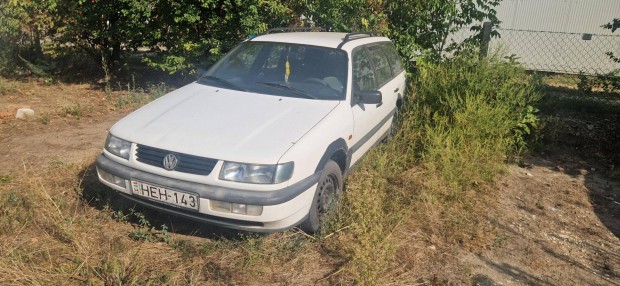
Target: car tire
[(325, 200)]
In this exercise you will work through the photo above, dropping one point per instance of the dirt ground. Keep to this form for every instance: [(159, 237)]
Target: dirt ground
[(557, 217), (558, 224)]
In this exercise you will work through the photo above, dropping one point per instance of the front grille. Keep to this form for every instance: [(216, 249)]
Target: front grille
[(187, 163)]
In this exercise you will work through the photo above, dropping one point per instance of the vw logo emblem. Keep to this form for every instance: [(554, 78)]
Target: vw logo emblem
[(170, 162)]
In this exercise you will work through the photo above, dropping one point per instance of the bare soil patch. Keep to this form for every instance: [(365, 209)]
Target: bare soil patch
[(557, 223), (70, 124)]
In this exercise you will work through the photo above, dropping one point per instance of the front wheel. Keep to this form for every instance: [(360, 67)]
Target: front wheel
[(326, 198)]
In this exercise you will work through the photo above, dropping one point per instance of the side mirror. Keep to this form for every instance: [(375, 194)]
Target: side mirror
[(369, 97)]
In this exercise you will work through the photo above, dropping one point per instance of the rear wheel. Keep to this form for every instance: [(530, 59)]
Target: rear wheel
[(325, 199)]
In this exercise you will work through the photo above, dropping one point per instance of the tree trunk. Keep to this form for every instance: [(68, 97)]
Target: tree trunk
[(36, 44)]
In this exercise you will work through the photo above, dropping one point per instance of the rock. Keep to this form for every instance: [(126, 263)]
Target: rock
[(590, 127), (23, 113), (529, 174)]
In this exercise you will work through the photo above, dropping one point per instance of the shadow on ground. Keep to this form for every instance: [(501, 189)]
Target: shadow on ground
[(581, 135)]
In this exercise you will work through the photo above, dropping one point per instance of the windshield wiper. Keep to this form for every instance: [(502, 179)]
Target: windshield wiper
[(221, 80), (287, 87)]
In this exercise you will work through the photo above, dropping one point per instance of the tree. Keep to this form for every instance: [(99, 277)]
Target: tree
[(426, 24), (105, 28), (180, 31), (613, 26), (343, 16), (190, 31), (23, 25), (414, 25)]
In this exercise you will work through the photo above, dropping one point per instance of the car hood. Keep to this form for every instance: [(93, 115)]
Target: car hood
[(223, 124)]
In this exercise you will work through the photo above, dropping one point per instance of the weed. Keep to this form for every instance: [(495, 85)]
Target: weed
[(75, 110), (59, 164), (474, 114), (44, 118), (119, 271), (6, 179), (119, 215), (585, 84), (137, 96), (143, 230), (15, 209), (608, 83), (165, 235), (4, 87), (157, 90)]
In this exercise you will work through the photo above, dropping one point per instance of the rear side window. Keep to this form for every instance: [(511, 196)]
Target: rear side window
[(374, 65)]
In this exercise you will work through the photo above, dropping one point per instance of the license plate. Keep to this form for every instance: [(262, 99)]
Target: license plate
[(165, 195)]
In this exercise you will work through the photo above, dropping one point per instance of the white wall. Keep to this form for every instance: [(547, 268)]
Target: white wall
[(546, 35), (569, 16)]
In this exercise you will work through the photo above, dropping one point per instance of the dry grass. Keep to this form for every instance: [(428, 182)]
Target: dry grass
[(51, 233)]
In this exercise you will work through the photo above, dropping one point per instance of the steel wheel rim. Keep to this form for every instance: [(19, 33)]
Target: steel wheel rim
[(327, 194)]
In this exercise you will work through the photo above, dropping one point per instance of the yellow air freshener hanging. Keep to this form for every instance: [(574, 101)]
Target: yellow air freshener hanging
[(288, 70)]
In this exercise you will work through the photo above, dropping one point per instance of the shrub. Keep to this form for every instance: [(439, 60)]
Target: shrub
[(473, 113), (464, 118)]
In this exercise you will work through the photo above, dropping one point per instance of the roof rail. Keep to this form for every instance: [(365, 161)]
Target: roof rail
[(294, 29), (358, 35)]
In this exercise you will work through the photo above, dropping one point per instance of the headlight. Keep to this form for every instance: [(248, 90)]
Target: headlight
[(117, 146), (256, 174)]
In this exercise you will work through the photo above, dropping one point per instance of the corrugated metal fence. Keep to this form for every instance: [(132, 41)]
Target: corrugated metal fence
[(563, 36)]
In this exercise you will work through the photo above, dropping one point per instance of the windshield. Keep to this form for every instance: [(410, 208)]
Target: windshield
[(282, 69)]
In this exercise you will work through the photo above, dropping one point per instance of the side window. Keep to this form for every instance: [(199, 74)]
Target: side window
[(363, 73), (383, 71), (393, 58)]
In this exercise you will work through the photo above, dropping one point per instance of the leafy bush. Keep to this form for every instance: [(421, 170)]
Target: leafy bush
[(608, 83), (8, 60), (464, 118)]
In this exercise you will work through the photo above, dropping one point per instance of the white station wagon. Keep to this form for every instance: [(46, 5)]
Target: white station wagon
[(264, 139)]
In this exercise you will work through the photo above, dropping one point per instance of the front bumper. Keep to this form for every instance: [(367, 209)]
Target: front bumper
[(282, 208)]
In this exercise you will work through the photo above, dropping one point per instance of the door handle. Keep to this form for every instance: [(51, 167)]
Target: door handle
[(396, 90)]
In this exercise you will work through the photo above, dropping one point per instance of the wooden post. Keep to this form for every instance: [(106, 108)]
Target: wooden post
[(486, 38)]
